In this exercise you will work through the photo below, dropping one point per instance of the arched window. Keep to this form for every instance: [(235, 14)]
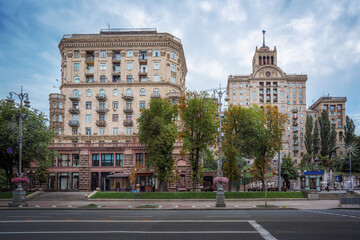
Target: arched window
[(272, 60), (102, 92), (128, 92), (260, 60), (88, 93), (264, 60), (142, 92), (115, 92), (156, 92), (76, 93)]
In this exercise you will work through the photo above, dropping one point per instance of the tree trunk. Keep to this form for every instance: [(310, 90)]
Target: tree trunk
[(263, 183), (194, 184), (162, 186)]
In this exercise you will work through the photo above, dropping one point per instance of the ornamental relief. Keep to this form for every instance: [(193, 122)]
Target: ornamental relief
[(267, 73)]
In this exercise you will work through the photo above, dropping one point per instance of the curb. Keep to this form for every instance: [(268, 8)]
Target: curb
[(201, 200)]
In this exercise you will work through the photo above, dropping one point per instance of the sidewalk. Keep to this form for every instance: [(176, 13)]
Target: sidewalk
[(186, 204)]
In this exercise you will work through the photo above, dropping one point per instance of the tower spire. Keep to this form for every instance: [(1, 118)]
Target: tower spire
[(263, 31)]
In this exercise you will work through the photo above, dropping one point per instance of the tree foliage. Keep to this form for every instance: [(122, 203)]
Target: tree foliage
[(288, 170), (309, 139), (316, 139), (324, 123), (209, 162), (349, 135), (241, 128), (157, 130), (199, 132), (36, 138), (332, 142)]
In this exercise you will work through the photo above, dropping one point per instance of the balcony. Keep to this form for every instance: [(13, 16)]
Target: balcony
[(101, 123), (89, 59), (127, 97), (89, 79), (296, 143), (128, 110), (295, 150), (89, 71), (143, 57), (116, 69), (116, 79), (295, 110), (74, 98), (74, 123), (116, 57), (101, 110), (295, 131), (295, 117), (128, 123), (101, 97), (295, 123), (173, 95), (73, 110), (155, 95), (295, 137), (143, 72)]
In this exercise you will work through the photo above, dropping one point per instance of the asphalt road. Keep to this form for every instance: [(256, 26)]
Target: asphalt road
[(179, 224)]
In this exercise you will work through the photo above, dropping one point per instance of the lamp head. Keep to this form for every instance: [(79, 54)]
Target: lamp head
[(10, 99), (227, 99)]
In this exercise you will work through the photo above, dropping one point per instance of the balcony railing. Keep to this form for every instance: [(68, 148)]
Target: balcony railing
[(116, 57), (128, 123), (74, 123), (101, 123), (294, 110), (143, 56), (117, 79), (128, 109), (295, 117), (173, 95), (143, 72), (155, 95), (102, 110), (101, 97), (127, 97), (74, 98), (73, 110), (89, 59), (295, 137)]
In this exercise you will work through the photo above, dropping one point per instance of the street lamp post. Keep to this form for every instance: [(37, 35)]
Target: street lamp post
[(220, 196), (19, 195), (244, 179)]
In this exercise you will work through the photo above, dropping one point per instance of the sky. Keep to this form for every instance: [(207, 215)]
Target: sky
[(317, 38)]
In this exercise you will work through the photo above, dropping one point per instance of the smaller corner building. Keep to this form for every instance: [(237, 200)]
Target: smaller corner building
[(106, 79)]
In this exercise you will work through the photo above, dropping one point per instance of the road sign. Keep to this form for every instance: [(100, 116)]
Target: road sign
[(338, 178), (9, 150)]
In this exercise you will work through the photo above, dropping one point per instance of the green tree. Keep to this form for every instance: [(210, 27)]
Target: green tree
[(36, 138), (241, 127), (269, 139), (309, 139), (305, 160), (316, 139), (157, 130), (332, 142), (324, 123), (209, 162), (349, 135), (199, 132), (288, 170)]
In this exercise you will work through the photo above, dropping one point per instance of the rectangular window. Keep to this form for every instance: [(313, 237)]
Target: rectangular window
[(173, 80), (115, 131), (294, 96), (300, 84), (115, 105), (88, 118), (156, 78), (74, 131), (103, 53), (156, 65), (75, 160), (101, 131), (119, 159), (173, 55), (128, 131), (76, 54), (142, 104), (95, 160), (88, 131), (88, 105), (60, 131), (115, 117), (129, 78), (129, 53), (102, 78), (139, 160), (129, 66), (156, 53), (76, 66), (102, 66), (173, 68), (107, 160), (76, 79), (64, 160), (294, 84), (332, 108)]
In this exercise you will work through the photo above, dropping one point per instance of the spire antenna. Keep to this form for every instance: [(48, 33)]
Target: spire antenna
[(263, 31)]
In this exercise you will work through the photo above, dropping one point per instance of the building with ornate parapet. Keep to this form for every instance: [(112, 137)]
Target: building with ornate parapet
[(106, 79), (268, 83)]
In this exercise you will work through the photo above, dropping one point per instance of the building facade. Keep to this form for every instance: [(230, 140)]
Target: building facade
[(335, 108), (268, 83), (106, 79)]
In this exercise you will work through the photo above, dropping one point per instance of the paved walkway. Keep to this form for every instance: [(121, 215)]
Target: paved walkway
[(78, 199)]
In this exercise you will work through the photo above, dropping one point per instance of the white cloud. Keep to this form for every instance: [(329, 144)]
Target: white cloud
[(205, 6), (232, 11)]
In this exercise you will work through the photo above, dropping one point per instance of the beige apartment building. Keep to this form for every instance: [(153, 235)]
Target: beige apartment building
[(335, 107), (268, 83), (106, 78)]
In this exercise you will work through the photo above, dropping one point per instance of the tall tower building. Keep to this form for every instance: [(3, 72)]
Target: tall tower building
[(268, 83), (106, 79)]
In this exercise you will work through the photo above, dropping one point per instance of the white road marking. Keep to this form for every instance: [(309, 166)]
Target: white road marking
[(126, 221), (27, 216), (335, 214), (263, 232)]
